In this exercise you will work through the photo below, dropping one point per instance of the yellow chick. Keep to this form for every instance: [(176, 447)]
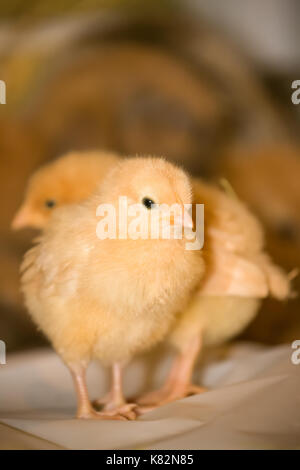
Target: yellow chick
[(238, 274), (110, 299), (68, 179)]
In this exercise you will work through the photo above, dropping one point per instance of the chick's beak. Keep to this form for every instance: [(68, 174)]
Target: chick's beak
[(183, 219), (23, 218)]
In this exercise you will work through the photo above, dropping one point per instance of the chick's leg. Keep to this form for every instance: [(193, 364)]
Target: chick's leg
[(179, 381), (115, 402), (84, 407)]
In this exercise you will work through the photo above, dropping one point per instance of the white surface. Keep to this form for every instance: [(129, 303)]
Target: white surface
[(254, 403)]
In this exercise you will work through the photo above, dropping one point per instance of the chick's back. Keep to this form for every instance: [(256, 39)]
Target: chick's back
[(236, 261)]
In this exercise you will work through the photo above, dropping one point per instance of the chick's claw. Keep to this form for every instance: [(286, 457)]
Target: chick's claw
[(110, 407), (128, 411)]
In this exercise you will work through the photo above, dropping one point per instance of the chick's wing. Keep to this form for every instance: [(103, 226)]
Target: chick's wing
[(53, 265), (236, 264)]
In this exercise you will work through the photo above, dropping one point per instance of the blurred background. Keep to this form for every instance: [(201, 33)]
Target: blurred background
[(204, 83)]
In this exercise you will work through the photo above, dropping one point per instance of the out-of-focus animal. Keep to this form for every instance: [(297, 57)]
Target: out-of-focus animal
[(239, 274)]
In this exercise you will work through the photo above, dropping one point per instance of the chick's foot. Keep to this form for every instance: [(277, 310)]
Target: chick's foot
[(167, 395), (179, 381), (115, 410), (127, 410), (114, 403), (110, 408)]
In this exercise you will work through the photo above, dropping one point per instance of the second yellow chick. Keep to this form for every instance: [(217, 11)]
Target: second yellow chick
[(238, 274)]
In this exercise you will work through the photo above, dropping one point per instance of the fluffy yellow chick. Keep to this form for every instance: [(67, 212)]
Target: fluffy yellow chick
[(68, 179), (238, 275), (110, 299)]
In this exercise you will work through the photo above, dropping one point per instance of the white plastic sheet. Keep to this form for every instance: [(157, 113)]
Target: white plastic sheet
[(253, 403)]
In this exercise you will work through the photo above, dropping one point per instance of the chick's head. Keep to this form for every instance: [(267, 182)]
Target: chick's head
[(69, 179), (149, 185)]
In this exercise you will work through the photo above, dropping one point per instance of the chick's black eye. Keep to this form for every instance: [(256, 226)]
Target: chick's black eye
[(148, 202), (50, 203)]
